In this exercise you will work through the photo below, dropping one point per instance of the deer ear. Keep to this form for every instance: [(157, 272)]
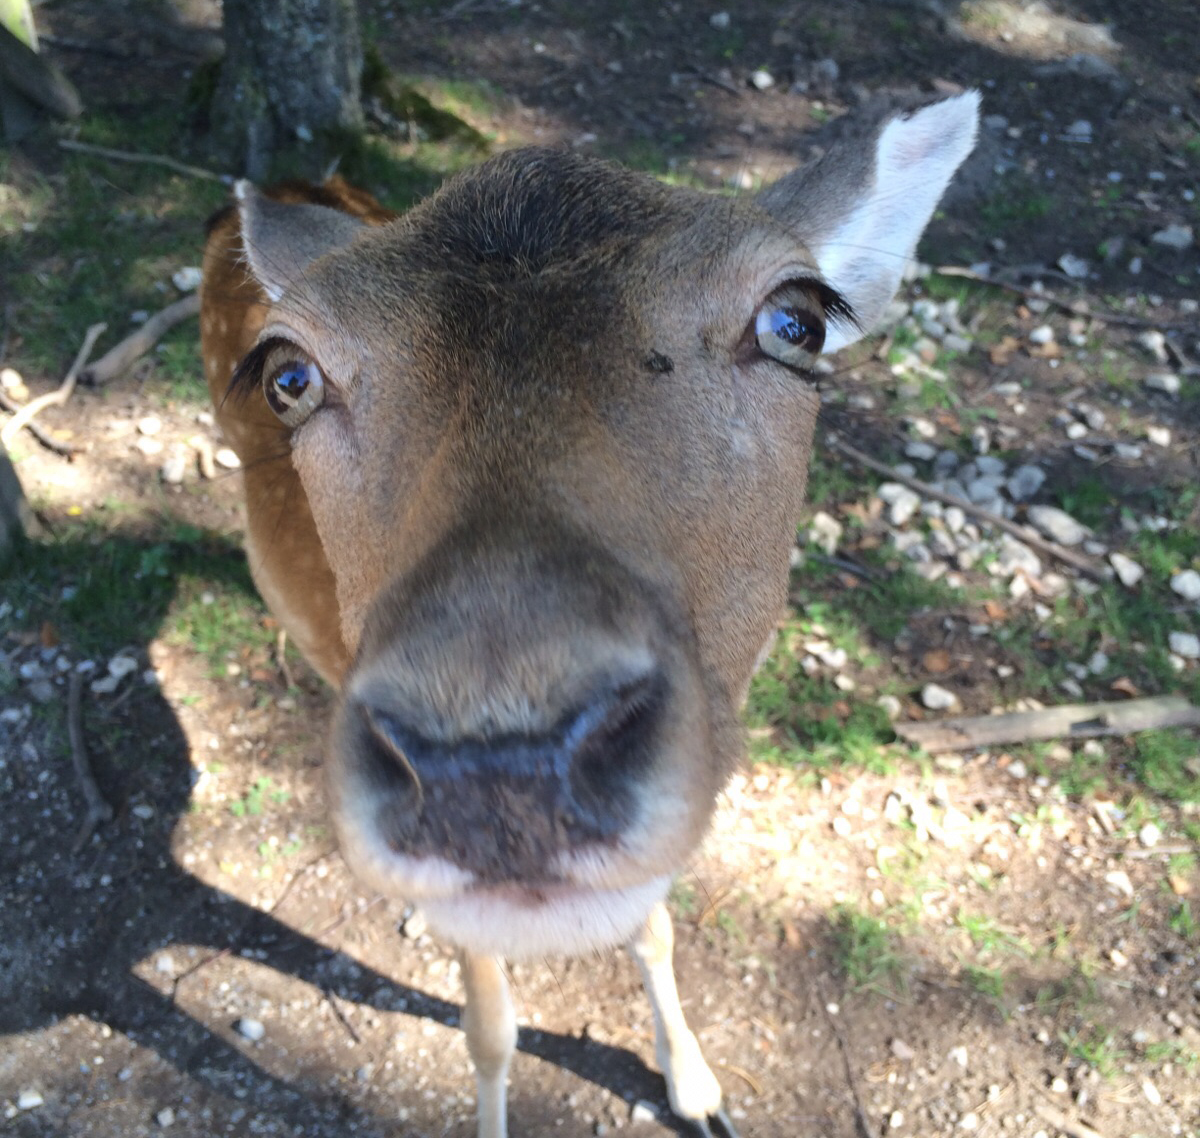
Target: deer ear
[(281, 240), (861, 208)]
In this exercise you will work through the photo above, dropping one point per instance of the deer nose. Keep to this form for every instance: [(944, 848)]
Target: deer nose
[(505, 806)]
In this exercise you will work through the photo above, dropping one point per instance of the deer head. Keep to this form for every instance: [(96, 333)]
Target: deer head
[(523, 472)]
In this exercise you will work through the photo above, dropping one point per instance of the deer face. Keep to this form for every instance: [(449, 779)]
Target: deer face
[(544, 442)]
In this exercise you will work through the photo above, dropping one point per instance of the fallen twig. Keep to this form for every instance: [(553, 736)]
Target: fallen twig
[(53, 398), (862, 1121), (38, 431), (144, 159), (1022, 533), (331, 1000), (98, 810), (1060, 1120), (1068, 721), (715, 80), (116, 361), (1075, 308)]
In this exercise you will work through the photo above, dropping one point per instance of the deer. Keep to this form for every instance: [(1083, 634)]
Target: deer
[(523, 468)]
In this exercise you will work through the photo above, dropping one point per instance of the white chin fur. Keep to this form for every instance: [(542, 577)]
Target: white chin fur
[(568, 923)]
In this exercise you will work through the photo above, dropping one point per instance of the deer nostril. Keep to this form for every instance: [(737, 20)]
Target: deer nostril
[(611, 744), (390, 743)]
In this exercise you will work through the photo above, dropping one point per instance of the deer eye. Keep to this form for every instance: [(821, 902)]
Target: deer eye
[(294, 387), (790, 326)]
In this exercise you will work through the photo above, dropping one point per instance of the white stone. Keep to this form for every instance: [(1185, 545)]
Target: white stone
[(1152, 1093), (1185, 644), (643, 1112), (29, 1100), (149, 425), (1076, 430), (891, 706), (1077, 268), (188, 279), (1042, 334), (762, 79), (121, 665), (1017, 769), (825, 532), (954, 518), (902, 502), (1187, 584), (174, 469), (165, 1117), (1174, 237), (937, 698), (250, 1029), (1025, 481), (1098, 662), (896, 1120), (920, 450), (227, 458), (1057, 525), (1128, 571), (149, 446), (719, 20), (1159, 436), (1119, 880), (1165, 381)]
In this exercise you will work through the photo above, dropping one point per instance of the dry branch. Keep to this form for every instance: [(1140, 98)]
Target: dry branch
[(120, 359), (1075, 308), (1069, 721), (144, 159), (39, 432), (54, 398), (98, 809), (1022, 533)]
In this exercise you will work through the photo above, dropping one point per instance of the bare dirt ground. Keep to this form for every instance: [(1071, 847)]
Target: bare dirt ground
[(989, 943)]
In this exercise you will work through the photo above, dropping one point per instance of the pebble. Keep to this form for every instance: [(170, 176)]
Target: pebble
[(1178, 237), (937, 698), (1024, 482), (1077, 268), (187, 279), (825, 532), (1017, 769), (643, 1112), (165, 1117), (1128, 571), (1059, 1085), (227, 458), (1079, 131), (1159, 436), (1185, 644), (954, 342), (841, 827), (1057, 525), (969, 1121), (891, 706), (902, 502), (1042, 334), (149, 446), (29, 1100), (413, 926), (719, 20), (762, 79), (1187, 585), (1119, 880), (174, 469), (1155, 343), (921, 451), (895, 1120), (954, 518), (1076, 431), (1153, 1096), (250, 1029), (1165, 381), (149, 425)]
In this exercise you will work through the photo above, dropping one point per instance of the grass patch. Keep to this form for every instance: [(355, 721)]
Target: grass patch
[(1097, 1048), (867, 953), (988, 937), (254, 801)]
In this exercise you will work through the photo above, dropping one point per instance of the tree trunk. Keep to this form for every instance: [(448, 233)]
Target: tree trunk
[(291, 73)]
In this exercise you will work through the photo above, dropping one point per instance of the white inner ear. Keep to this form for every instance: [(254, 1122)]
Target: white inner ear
[(864, 256)]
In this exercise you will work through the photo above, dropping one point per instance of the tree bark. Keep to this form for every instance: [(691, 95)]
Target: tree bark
[(292, 73)]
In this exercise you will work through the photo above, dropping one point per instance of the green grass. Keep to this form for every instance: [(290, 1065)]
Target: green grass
[(1174, 1052), (988, 982), (867, 953), (253, 802), (988, 937), (1183, 922), (221, 621), (1097, 1048)]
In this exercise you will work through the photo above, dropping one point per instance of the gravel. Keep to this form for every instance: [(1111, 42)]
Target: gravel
[(1187, 585), (1164, 381), (937, 698), (1128, 571), (1185, 644), (1024, 482)]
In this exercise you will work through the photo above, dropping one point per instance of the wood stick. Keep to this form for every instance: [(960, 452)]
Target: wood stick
[(144, 159), (116, 361), (39, 432), (98, 810), (1072, 307), (1068, 721), (54, 398), (1072, 1127), (1022, 533)]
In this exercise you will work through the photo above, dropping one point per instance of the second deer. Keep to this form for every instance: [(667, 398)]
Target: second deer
[(523, 470)]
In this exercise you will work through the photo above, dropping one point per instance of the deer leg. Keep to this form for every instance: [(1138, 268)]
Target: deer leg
[(692, 1088), (490, 1024)]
